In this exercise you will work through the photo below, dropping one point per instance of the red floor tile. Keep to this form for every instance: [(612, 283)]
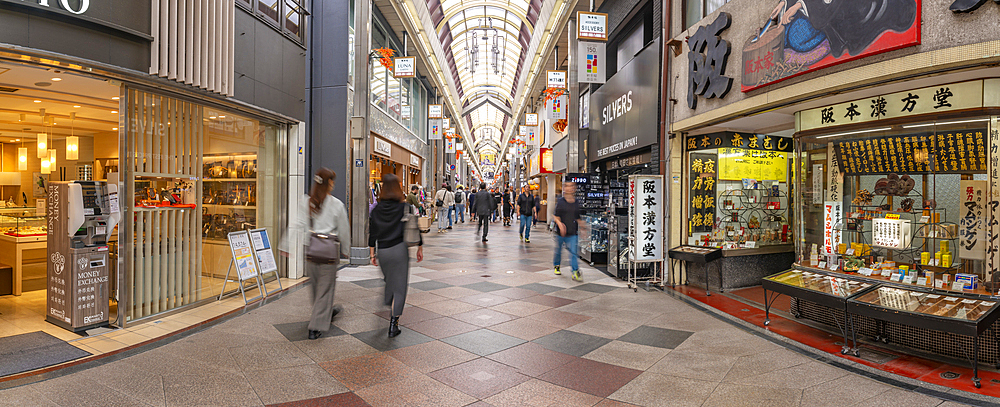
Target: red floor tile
[(340, 400), (591, 377), (532, 359)]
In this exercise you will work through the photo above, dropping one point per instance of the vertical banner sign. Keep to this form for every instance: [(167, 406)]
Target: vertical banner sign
[(239, 244), (459, 146), (834, 177), (449, 146), (646, 198), (531, 119), (532, 136), (435, 128), (703, 177), (818, 191), (993, 177), (522, 133), (557, 107), (449, 131), (590, 69), (592, 26), (447, 122), (832, 217), (972, 225), (555, 79), (404, 67), (434, 111)]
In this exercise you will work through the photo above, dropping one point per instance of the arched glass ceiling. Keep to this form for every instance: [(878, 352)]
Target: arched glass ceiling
[(495, 66)]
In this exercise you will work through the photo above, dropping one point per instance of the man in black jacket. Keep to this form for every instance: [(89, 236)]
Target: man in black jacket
[(485, 205), (525, 211)]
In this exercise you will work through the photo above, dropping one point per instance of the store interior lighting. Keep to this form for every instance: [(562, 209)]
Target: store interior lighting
[(42, 145)]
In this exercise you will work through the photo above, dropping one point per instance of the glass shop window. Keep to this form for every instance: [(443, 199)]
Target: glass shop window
[(739, 192), (905, 203)]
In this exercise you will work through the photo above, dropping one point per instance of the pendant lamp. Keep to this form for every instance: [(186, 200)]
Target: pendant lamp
[(46, 164), (72, 142), (43, 145)]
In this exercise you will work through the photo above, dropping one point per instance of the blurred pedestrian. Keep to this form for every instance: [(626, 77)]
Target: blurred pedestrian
[(567, 217), (387, 248)]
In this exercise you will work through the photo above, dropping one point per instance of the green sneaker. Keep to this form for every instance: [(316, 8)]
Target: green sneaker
[(558, 273), (577, 276)]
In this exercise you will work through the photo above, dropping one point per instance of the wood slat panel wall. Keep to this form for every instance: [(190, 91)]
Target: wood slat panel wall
[(193, 43), (165, 138)]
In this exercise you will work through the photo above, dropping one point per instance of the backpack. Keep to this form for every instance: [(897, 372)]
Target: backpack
[(458, 197)]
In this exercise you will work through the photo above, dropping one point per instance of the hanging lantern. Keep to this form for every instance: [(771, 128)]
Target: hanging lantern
[(52, 159), (72, 148), (46, 164), (22, 159), (43, 145)]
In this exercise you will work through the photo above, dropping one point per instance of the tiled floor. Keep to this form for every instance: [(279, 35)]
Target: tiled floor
[(486, 325)]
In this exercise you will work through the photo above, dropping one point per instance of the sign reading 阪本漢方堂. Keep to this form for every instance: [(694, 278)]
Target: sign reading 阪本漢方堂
[(646, 203), (933, 99), (592, 26)]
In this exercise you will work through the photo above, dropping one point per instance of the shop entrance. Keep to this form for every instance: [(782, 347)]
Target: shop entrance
[(54, 126)]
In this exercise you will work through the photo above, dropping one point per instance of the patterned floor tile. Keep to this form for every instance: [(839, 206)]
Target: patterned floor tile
[(411, 315), (480, 378), (450, 307), (548, 301), (429, 285), (483, 317), (540, 393), (524, 328), (431, 356), (532, 359), (416, 391), (541, 288), (299, 331), (486, 286), (658, 337), (520, 308), (559, 318), (483, 342), (368, 370), (442, 327), (588, 376), (485, 299), (341, 400), (571, 343), (379, 338)]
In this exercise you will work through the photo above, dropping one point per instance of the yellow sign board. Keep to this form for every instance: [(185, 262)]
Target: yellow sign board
[(739, 163)]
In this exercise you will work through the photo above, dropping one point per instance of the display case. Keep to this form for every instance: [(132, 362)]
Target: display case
[(22, 222), (229, 195), (956, 314), (594, 239)]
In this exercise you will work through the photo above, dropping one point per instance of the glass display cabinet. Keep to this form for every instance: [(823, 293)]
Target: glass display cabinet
[(594, 238), (22, 221)]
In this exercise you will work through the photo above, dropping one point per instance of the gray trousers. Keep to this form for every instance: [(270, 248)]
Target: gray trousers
[(324, 282), (395, 263)]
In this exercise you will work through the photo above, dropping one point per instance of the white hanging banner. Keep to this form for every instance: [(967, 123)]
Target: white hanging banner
[(532, 137), (406, 112), (434, 111), (646, 200), (435, 128), (459, 146), (590, 69), (449, 145), (447, 122), (592, 26), (833, 213), (972, 224), (556, 108)]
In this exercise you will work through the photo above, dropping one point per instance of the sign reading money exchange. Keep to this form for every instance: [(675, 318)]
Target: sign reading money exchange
[(623, 112)]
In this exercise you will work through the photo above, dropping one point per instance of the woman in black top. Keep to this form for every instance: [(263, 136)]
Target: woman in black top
[(386, 234)]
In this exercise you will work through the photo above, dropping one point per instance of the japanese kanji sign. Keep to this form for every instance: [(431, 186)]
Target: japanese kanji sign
[(701, 215), (962, 151), (993, 206), (934, 99), (707, 58), (972, 225), (590, 68), (531, 119), (833, 214), (555, 79), (738, 140), (646, 201)]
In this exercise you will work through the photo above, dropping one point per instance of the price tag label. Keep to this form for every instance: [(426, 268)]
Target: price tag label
[(967, 301), (822, 265), (750, 245), (939, 284), (892, 216), (957, 286), (952, 299), (908, 280), (933, 296), (865, 271), (925, 219), (922, 281), (850, 252), (988, 303), (835, 267)]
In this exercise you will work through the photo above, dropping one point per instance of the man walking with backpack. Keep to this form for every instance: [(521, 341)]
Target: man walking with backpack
[(460, 205)]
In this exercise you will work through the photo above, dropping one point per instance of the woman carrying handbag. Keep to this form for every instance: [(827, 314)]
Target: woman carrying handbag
[(327, 234), (392, 229)]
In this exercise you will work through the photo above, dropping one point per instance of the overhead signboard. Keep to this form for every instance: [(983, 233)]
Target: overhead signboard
[(434, 111), (449, 145), (435, 129), (404, 67), (556, 108), (447, 122), (555, 79), (623, 113), (383, 147), (531, 119), (450, 131), (590, 69), (592, 26)]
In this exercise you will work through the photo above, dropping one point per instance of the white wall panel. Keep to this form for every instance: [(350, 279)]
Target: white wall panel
[(193, 43)]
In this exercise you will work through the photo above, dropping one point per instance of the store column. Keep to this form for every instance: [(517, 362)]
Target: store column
[(573, 161), (359, 135)]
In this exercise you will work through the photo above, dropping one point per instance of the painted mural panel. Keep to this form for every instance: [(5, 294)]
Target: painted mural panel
[(805, 35)]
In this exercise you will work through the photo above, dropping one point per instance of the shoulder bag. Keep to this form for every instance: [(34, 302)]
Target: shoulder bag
[(324, 248), (411, 230)]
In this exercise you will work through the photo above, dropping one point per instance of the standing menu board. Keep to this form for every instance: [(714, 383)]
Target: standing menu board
[(262, 251), (239, 244)]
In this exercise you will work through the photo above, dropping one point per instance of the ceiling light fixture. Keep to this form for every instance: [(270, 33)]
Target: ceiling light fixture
[(38, 101), (56, 79), (76, 106), (42, 145), (483, 32)]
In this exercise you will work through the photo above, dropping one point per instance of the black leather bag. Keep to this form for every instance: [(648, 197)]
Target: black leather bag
[(324, 248)]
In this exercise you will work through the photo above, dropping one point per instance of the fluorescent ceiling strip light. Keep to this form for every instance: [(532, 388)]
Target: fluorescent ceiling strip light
[(855, 132), (910, 126)]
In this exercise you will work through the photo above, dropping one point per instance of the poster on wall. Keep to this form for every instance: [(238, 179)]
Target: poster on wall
[(833, 213), (646, 201), (972, 225), (738, 163), (38, 183), (800, 36)]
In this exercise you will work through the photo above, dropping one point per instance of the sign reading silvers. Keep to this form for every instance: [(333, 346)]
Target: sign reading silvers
[(707, 61), (623, 112), (646, 202), (592, 26)]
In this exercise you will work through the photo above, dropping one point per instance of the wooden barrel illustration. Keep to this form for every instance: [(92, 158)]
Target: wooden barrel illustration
[(757, 64)]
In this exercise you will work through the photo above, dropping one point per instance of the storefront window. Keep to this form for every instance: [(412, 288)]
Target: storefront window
[(378, 85), (739, 190), (392, 96), (295, 19), (198, 174), (695, 10), (268, 8), (911, 197)]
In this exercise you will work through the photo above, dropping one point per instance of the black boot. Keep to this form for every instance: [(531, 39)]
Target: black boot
[(966, 6), (394, 327)]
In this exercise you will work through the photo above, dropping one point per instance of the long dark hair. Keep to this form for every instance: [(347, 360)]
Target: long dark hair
[(321, 186), (392, 189)]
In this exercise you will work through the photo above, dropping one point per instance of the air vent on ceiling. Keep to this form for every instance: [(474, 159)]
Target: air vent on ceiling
[(8, 90)]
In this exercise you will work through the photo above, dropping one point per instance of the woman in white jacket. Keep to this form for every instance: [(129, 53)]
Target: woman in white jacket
[(321, 212), (447, 200)]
